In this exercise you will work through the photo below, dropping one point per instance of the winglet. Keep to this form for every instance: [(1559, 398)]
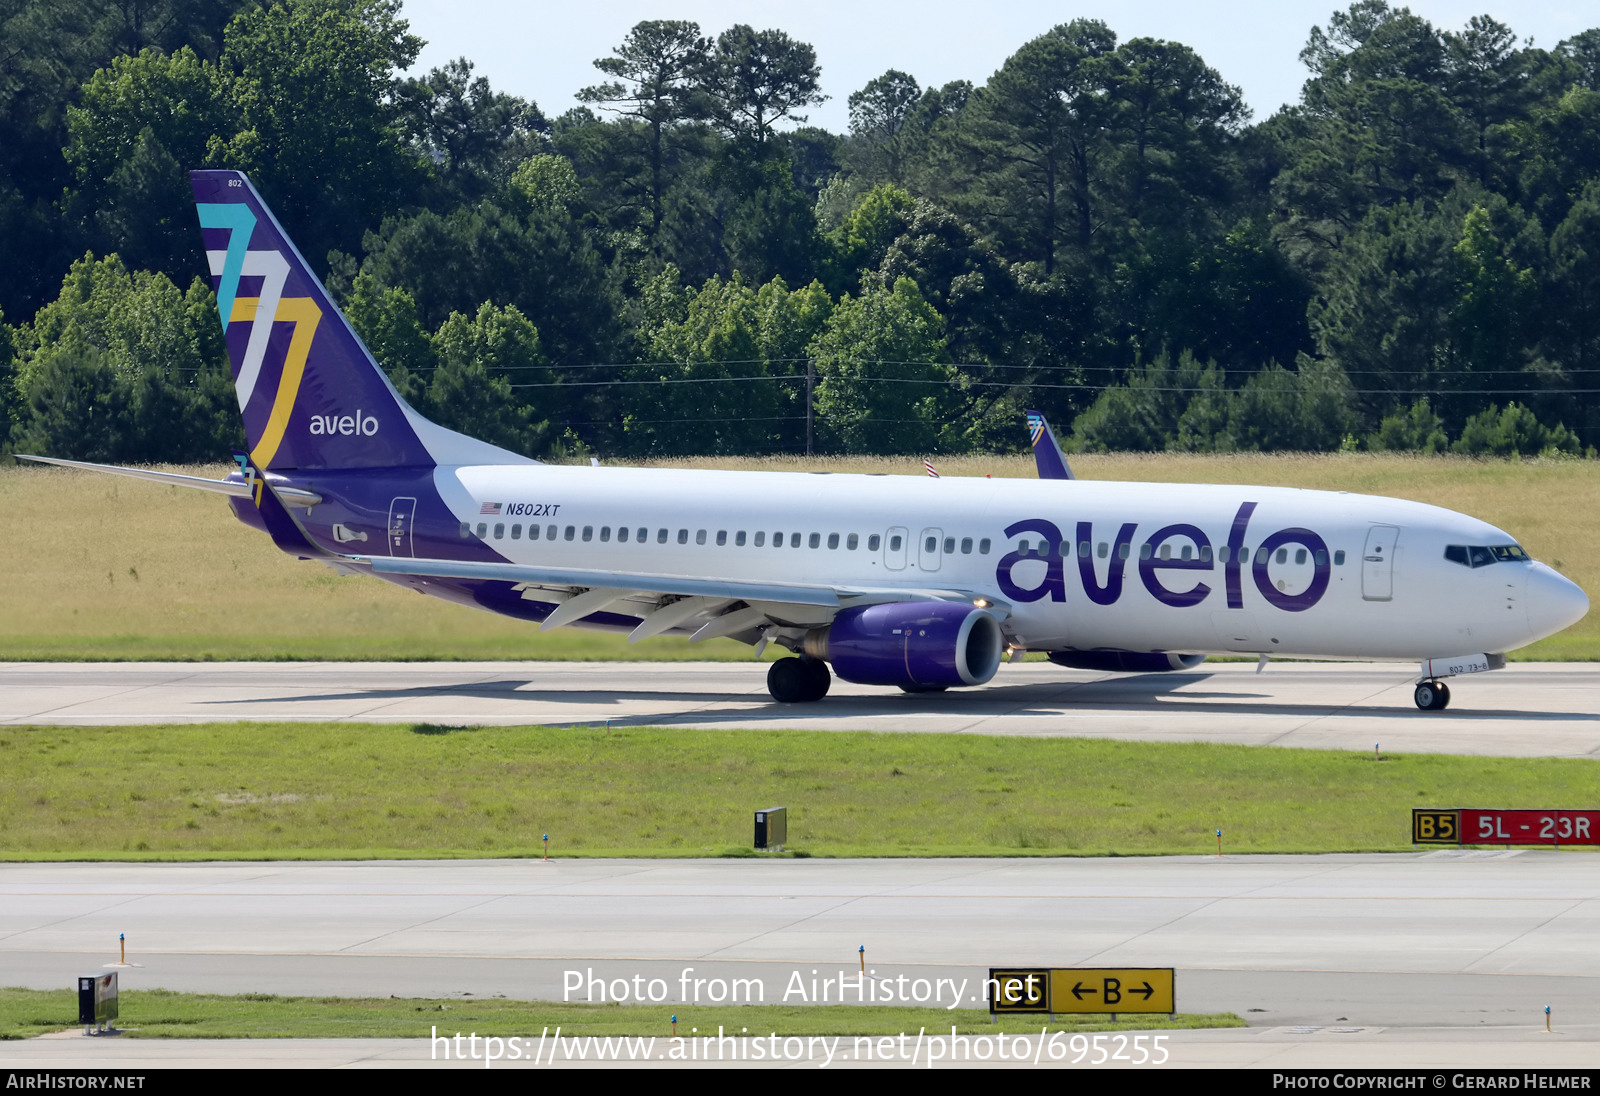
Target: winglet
[(1046, 451)]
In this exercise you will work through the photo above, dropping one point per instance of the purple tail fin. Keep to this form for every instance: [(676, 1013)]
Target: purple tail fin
[(309, 390)]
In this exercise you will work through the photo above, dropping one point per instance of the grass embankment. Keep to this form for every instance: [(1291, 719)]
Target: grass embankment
[(105, 568), (160, 1014), (313, 791)]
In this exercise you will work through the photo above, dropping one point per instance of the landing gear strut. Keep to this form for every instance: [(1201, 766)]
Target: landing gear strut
[(1432, 696), (798, 680)]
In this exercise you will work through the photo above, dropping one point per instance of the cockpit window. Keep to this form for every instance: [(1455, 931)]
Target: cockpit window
[(1480, 555)]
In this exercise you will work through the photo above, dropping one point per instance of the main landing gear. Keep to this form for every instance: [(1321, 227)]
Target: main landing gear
[(798, 680), (1432, 696)]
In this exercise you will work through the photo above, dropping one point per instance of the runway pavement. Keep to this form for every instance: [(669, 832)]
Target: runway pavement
[(1425, 960), (1428, 959), (1528, 709)]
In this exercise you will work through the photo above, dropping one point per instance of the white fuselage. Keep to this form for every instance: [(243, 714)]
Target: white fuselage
[(1344, 575)]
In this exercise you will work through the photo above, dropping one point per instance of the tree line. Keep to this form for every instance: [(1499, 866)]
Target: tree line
[(1407, 258)]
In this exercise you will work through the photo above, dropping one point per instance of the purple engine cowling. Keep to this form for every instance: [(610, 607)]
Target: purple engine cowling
[(912, 644), (1126, 662)]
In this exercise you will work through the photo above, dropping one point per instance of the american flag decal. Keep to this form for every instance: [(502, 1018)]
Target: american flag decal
[(1035, 428), (928, 464), (490, 508)]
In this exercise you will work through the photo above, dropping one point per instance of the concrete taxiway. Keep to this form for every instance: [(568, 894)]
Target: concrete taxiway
[(1528, 709), (1441, 958)]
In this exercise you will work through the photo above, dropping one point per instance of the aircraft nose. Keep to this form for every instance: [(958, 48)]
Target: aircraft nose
[(1554, 602)]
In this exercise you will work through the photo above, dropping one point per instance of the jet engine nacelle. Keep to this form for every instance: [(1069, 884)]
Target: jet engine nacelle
[(1126, 662), (912, 644)]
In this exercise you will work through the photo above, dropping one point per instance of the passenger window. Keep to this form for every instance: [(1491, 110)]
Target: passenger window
[(1224, 553), (572, 531), (930, 545), (533, 532), (894, 543), (738, 538), (815, 540), (1145, 551), (1283, 555), (661, 536), (761, 538), (1103, 550), (483, 530), (873, 541), (605, 534), (1338, 558), (516, 532), (983, 546), (588, 533), (722, 537), (549, 532), (777, 540), (700, 536), (1123, 549), (466, 529), (499, 530), (683, 536), (622, 534), (949, 545), (1205, 553), (833, 540), (1166, 551), (1083, 549), (794, 540), (851, 541), (1300, 555), (1322, 558), (1187, 551), (966, 546)]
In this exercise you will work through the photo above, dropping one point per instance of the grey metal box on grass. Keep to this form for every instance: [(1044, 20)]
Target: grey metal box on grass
[(97, 999), (772, 828)]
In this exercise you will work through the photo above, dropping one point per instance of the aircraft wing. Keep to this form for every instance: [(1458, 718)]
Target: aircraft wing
[(725, 606)]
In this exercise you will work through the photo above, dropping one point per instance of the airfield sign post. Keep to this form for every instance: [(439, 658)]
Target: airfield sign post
[(1055, 990), (1501, 826)]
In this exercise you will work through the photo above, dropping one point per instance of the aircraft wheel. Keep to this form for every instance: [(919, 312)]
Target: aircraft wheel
[(792, 681), (819, 677), (1432, 696)]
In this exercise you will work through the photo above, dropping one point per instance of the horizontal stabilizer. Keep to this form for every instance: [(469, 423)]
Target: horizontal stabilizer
[(291, 496)]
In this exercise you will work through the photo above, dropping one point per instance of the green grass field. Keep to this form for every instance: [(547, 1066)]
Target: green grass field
[(158, 1014), (106, 568), (337, 791)]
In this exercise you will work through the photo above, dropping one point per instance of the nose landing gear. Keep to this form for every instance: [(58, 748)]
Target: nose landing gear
[(1432, 696)]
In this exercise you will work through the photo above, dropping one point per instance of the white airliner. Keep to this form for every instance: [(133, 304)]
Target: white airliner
[(915, 582)]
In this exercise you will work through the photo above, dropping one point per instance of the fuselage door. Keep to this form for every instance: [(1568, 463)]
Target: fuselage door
[(928, 554), (402, 514), (1377, 563), (894, 548)]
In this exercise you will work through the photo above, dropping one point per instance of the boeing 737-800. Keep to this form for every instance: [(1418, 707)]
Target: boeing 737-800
[(921, 583)]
